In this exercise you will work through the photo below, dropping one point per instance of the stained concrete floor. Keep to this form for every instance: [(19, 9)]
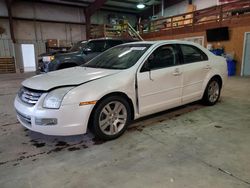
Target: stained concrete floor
[(191, 146)]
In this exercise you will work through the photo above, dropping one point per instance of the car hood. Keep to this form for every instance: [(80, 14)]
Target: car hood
[(62, 55), (66, 77), (52, 53)]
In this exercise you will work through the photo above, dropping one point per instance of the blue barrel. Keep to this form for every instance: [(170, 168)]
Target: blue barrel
[(231, 67), (217, 52)]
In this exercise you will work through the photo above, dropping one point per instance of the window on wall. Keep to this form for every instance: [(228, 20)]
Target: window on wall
[(192, 54), (198, 40)]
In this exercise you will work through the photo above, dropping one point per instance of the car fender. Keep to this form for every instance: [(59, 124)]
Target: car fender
[(123, 82), (218, 69)]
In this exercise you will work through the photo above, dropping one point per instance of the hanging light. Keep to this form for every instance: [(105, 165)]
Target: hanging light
[(140, 6)]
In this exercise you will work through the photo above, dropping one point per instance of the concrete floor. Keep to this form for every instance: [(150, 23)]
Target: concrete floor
[(192, 146)]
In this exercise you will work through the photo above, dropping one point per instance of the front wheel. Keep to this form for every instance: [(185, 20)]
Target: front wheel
[(212, 92), (110, 118)]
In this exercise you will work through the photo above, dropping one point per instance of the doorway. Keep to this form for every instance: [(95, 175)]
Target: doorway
[(28, 55), (245, 69)]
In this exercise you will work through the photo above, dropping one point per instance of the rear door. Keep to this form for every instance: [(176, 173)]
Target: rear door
[(195, 67), (159, 81), (112, 43)]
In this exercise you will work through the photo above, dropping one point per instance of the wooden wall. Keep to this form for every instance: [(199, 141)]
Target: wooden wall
[(234, 45)]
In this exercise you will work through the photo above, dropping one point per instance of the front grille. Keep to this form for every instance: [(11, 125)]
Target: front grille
[(29, 96), (24, 118)]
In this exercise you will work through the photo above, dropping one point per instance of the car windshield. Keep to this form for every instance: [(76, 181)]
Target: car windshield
[(78, 46), (120, 57)]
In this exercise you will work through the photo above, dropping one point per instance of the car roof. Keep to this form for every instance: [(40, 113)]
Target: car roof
[(156, 42), (163, 42), (115, 39)]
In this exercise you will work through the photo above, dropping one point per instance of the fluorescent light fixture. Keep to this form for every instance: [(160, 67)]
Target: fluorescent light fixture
[(140, 6)]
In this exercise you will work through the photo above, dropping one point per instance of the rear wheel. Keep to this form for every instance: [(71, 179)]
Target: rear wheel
[(212, 92), (110, 118)]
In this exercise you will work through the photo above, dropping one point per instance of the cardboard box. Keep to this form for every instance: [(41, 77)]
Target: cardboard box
[(191, 8), (188, 19), (52, 43), (178, 21), (63, 43)]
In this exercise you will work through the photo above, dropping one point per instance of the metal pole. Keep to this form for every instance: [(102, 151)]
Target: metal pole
[(162, 8), (8, 4)]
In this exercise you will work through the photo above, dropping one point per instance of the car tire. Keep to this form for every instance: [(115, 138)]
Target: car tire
[(212, 92), (110, 118)]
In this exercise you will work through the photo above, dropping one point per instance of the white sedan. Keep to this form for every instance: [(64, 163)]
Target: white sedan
[(122, 84)]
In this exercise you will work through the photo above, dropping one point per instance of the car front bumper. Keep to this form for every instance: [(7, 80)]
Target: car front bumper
[(71, 119)]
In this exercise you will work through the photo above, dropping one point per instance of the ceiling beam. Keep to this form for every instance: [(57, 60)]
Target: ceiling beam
[(121, 8), (58, 2), (82, 5), (119, 11), (127, 2)]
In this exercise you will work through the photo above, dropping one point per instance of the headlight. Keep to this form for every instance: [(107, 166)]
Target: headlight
[(54, 98), (52, 58), (48, 58)]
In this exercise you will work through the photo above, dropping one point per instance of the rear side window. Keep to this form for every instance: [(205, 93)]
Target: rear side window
[(97, 46), (112, 43), (192, 54)]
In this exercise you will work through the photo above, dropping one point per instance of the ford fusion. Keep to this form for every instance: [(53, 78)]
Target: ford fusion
[(124, 83)]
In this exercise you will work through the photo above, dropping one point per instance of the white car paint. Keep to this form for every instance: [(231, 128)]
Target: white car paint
[(75, 76), (156, 90)]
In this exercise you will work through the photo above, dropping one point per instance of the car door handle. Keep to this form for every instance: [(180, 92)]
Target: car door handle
[(176, 72), (207, 67)]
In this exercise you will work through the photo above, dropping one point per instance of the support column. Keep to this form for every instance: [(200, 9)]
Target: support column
[(12, 34), (88, 24), (89, 11)]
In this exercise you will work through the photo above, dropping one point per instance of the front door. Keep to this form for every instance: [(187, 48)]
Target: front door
[(159, 81)]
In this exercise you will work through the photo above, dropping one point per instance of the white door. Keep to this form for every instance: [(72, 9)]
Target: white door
[(246, 56), (28, 54), (159, 81), (195, 67)]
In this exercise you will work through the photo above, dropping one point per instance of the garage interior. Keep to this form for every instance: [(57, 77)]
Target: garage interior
[(189, 146)]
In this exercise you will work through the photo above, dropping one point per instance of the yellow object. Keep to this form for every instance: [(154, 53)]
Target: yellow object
[(87, 103), (52, 58), (191, 8)]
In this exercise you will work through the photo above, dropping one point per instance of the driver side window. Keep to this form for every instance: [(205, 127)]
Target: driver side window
[(162, 57)]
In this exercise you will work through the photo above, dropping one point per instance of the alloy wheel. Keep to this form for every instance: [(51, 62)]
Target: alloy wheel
[(213, 91), (113, 118)]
